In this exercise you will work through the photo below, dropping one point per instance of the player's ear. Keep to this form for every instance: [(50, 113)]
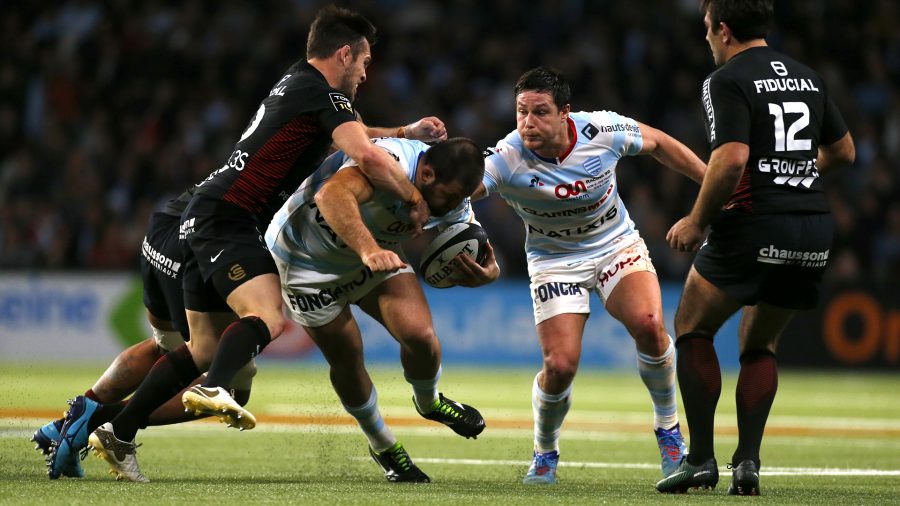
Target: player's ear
[(427, 174), (725, 32), (566, 109), (345, 54)]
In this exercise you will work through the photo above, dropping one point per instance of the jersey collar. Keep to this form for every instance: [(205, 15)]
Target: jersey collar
[(573, 135)]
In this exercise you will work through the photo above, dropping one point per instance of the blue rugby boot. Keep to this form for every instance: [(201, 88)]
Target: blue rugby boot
[(671, 448), (43, 442), (543, 469), (73, 437)]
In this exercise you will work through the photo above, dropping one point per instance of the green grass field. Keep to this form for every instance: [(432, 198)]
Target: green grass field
[(833, 438)]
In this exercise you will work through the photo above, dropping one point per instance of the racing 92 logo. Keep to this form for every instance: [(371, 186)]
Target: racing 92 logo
[(566, 190)]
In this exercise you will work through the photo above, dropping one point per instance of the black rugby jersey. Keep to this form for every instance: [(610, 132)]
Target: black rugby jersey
[(286, 140), (781, 109)]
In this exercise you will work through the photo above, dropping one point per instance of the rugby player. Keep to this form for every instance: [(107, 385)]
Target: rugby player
[(772, 128), (557, 171), (336, 242)]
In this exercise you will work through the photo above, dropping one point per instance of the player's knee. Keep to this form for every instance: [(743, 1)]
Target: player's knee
[(559, 369), (420, 339), (275, 323), (647, 328)]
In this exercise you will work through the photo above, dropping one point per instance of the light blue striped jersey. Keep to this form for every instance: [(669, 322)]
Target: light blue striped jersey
[(571, 207), (299, 235)]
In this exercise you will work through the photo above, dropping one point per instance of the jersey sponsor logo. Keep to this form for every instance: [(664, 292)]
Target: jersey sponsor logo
[(784, 84), (215, 257), (237, 272), (773, 255), (278, 89), (590, 131), (186, 228), (620, 127), (619, 267), (159, 261), (594, 226), (563, 213), (566, 190), (790, 172), (710, 112), (553, 289), (341, 102), (237, 161)]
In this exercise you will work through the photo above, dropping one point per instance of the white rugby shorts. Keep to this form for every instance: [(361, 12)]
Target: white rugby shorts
[(567, 288), (314, 299)]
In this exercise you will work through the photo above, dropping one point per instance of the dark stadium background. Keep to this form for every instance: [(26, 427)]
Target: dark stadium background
[(108, 109)]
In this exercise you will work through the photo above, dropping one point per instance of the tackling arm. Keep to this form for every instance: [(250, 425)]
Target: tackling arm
[(671, 153), (382, 171), (429, 129), (338, 200)]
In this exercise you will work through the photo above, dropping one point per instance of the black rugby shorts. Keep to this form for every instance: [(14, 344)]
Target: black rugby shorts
[(778, 259)]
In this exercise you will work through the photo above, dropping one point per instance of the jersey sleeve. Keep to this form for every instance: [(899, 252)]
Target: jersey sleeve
[(333, 108), (833, 126), (727, 111), (496, 168)]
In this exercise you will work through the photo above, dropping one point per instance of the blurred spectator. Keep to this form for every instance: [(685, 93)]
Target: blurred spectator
[(107, 109)]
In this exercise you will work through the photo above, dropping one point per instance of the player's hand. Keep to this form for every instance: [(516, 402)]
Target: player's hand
[(382, 260), (467, 272), (685, 235), (428, 129), (418, 214)]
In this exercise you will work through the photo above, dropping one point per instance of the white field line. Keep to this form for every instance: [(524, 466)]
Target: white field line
[(24, 427), (771, 471)]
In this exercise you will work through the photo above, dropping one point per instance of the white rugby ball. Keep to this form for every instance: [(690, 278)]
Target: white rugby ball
[(465, 238)]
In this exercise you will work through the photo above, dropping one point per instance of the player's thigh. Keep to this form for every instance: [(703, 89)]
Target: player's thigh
[(206, 330), (560, 339), (637, 303), (762, 325), (399, 304), (259, 296), (340, 340), (703, 307)]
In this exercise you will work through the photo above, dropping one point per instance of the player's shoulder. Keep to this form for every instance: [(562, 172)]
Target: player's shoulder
[(510, 150)]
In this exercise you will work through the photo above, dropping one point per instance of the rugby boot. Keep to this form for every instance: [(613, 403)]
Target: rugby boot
[(73, 437), (687, 476), (217, 402), (543, 469), (463, 419), (120, 455), (744, 478), (398, 467), (671, 448)]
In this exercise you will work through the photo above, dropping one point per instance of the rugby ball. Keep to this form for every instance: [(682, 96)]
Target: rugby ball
[(466, 238)]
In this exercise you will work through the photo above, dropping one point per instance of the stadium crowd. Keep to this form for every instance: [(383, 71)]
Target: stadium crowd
[(108, 109)]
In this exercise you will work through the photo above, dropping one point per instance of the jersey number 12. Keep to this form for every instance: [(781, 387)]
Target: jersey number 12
[(790, 142)]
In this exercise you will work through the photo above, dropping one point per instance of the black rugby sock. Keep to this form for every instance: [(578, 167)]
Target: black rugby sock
[(104, 413), (241, 341), (170, 374), (700, 380), (756, 387)]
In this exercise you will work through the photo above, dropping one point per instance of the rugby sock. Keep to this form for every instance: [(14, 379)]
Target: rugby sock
[(425, 391), (658, 374), (104, 413), (701, 384), (369, 419), (241, 341), (549, 412), (756, 387), (169, 375), (92, 396)]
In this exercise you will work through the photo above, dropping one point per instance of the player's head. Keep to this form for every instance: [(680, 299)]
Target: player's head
[(347, 36), (450, 171), (734, 22), (542, 106)]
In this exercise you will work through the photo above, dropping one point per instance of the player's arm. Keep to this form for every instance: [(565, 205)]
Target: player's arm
[(382, 171), (837, 154), (467, 272), (428, 129), (338, 200), (726, 164), (671, 153)]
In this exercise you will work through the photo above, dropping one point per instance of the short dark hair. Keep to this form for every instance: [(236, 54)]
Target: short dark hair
[(457, 159), (747, 19), (546, 80), (334, 28)]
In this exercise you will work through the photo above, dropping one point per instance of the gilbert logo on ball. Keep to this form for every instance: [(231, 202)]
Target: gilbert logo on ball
[(459, 238)]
